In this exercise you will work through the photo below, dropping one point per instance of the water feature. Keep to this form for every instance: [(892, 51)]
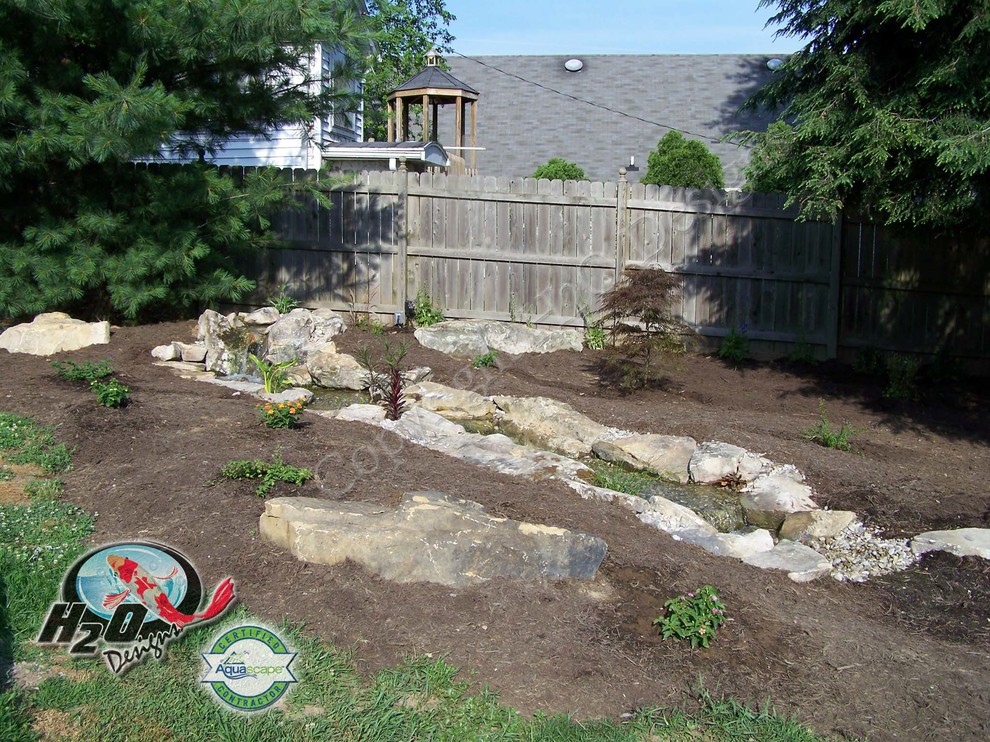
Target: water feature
[(336, 399)]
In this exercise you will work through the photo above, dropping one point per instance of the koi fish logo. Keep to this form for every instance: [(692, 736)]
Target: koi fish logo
[(149, 593), (113, 604)]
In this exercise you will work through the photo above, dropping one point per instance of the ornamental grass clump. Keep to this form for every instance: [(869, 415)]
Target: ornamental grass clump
[(694, 616), (281, 414)]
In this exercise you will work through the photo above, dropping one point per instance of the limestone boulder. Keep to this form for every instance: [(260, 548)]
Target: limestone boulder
[(360, 413), (496, 452), (287, 395), (769, 498), (302, 333), (665, 455), (334, 370), (738, 545), (550, 424), (470, 338), (714, 461), (601, 494), (54, 332), (671, 516), (802, 563), (811, 525), (169, 352), (192, 352), (432, 537), (262, 317), (454, 404), (227, 341), (959, 541)]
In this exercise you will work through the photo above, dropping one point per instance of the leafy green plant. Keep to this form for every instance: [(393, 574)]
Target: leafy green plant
[(735, 346), (485, 360), (282, 301), (273, 375), (870, 360), (633, 359), (386, 381), (595, 338), (902, 377), (112, 393), (823, 434), (557, 168), (88, 371), (695, 616), (281, 414), (370, 324), (613, 477), (426, 313), (6, 473), (802, 353), (269, 472)]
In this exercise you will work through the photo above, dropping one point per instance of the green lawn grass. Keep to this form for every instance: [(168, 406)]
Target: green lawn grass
[(421, 699)]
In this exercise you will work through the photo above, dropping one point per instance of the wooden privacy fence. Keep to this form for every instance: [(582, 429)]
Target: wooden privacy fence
[(544, 252)]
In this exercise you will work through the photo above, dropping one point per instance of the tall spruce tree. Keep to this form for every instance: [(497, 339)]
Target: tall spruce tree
[(885, 111), (88, 86)]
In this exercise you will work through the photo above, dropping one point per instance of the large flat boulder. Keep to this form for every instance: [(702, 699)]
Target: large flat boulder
[(550, 424), (668, 456), (432, 537), (454, 404), (470, 338), (812, 525), (958, 541), (802, 563), (53, 332)]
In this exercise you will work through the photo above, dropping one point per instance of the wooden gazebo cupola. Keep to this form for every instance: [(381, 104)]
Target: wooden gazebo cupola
[(432, 88)]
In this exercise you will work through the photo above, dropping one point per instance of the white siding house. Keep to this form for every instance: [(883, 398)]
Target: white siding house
[(297, 146)]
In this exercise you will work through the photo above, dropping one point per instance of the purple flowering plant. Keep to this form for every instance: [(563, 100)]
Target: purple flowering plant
[(695, 616)]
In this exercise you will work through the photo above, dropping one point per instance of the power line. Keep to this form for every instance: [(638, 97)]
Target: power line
[(599, 105)]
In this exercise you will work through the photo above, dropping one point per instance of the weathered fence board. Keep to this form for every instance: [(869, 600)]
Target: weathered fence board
[(545, 252)]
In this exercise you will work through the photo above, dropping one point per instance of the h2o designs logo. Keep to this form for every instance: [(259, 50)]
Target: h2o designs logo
[(248, 668), (128, 600)]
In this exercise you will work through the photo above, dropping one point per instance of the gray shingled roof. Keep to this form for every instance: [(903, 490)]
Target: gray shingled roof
[(434, 77), (523, 125)]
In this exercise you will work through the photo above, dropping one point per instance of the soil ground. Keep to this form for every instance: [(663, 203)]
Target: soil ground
[(904, 657)]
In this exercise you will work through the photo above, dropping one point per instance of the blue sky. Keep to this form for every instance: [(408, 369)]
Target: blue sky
[(613, 27)]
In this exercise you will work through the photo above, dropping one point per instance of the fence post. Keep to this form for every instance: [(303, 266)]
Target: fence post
[(621, 224), (402, 224), (834, 291)]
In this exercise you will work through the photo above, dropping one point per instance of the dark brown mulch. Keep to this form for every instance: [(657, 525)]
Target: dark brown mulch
[(901, 658)]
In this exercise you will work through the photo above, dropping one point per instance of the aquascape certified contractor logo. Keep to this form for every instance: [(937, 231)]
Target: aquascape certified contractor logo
[(127, 601), (248, 668)]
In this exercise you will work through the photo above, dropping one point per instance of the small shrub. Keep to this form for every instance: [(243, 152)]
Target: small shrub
[(426, 313), (282, 302), (802, 353), (557, 168), (273, 375), (269, 472), (823, 434), (111, 393), (386, 383), (485, 360), (595, 338), (370, 324), (281, 414), (685, 163), (735, 346), (902, 377), (87, 371), (646, 297), (695, 616)]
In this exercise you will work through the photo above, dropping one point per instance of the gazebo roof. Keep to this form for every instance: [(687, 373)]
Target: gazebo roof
[(434, 78)]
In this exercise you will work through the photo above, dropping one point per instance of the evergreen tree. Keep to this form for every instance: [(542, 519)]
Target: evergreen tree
[(86, 87), (685, 163), (557, 168), (885, 111), (404, 31)]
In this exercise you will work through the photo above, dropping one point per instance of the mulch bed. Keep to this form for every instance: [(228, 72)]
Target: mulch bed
[(903, 657)]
